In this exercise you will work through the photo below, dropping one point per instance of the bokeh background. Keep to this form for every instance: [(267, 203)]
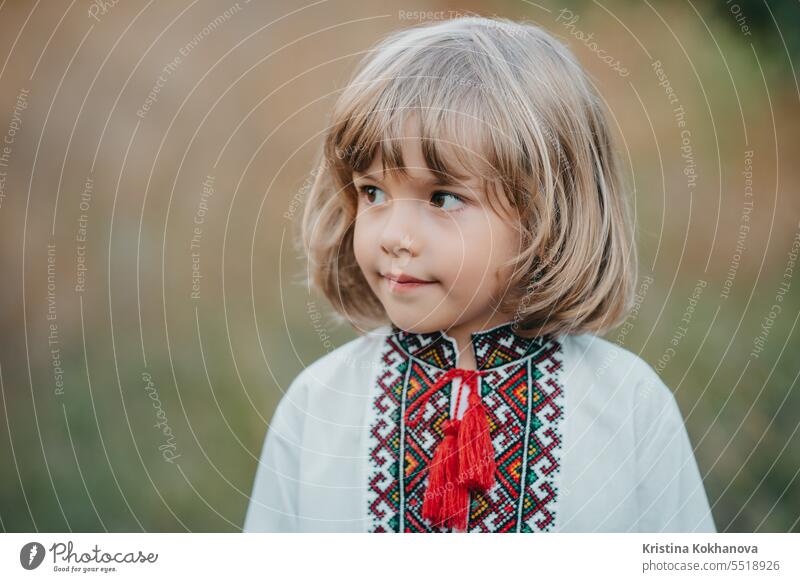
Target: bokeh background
[(153, 169)]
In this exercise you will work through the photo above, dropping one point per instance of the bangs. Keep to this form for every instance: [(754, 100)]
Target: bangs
[(457, 121)]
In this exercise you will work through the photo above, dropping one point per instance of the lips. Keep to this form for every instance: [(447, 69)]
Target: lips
[(402, 278)]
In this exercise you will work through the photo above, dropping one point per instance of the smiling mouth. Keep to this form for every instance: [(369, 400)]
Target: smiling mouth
[(405, 279), (404, 282)]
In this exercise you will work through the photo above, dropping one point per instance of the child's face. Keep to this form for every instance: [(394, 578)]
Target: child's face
[(447, 236)]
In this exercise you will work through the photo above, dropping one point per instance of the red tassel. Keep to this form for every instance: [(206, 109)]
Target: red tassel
[(446, 501), (464, 459), (475, 450)]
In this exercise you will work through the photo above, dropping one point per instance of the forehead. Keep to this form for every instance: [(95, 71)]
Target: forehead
[(416, 171), (426, 161)]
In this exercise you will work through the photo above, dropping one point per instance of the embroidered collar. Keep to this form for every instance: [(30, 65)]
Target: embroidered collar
[(493, 347)]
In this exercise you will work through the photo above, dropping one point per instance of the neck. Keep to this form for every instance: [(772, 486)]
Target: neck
[(462, 334)]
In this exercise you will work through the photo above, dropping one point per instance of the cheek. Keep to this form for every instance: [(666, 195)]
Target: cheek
[(466, 254), (509, 246), (363, 240), (509, 240), (476, 260)]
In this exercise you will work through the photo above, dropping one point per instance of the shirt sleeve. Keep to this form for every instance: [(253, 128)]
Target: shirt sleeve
[(273, 503), (670, 491)]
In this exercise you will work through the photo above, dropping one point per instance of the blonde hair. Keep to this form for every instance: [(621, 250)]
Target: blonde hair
[(542, 137)]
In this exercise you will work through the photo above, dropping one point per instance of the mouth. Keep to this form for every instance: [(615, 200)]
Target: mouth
[(402, 282)]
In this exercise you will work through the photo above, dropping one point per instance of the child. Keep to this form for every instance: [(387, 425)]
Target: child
[(467, 219)]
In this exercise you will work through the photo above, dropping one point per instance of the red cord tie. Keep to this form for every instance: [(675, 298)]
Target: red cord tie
[(464, 460)]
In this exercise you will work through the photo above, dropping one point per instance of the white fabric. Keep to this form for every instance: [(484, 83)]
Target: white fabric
[(626, 463)]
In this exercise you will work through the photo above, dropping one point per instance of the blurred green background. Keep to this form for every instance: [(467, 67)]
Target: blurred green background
[(236, 95)]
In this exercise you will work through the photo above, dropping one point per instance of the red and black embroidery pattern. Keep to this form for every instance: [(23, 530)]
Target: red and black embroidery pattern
[(523, 398)]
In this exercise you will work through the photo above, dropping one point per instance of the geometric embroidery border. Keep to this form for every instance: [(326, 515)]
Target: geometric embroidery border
[(524, 400)]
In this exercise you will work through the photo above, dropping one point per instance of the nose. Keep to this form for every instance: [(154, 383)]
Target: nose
[(400, 234)]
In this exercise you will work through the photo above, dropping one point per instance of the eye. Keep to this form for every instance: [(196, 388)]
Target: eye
[(369, 191), (449, 200)]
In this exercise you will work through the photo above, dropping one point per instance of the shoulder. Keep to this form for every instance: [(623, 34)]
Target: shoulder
[(349, 362), (603, 376), (591, 360), (602, 357), (330, 386)]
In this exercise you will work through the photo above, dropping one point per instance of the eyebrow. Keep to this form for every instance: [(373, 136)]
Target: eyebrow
[(438, 180)]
